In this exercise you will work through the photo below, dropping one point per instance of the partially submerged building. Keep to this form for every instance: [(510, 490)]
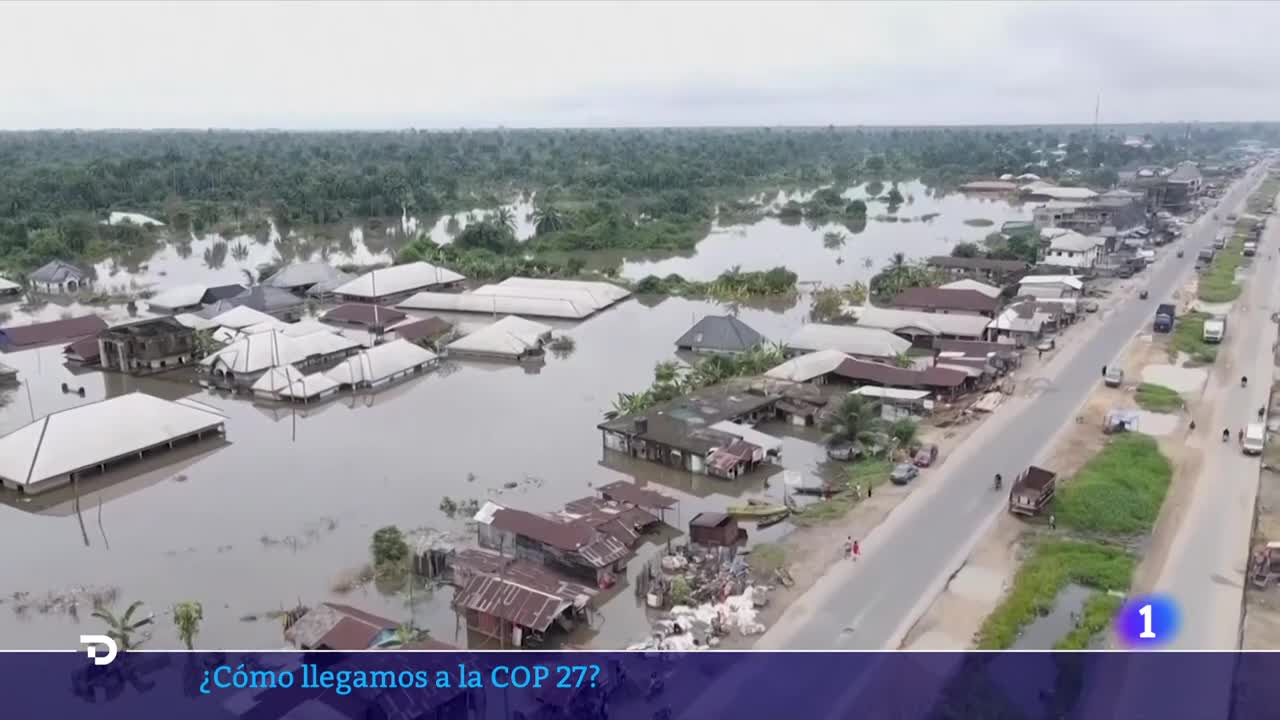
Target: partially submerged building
[(242, 362), (644, 498), (288, 383), (84, 352), (90, 439), (678, 433), (990, 291), (146, 346), (58, 276), (863, 342), (514, 601), (534, 297), (425, 332), (9, 288), (572, 547), (334, 626), (235, 317), (16, 338), (396, 283), (374, 318), (274, 302), (511, 338), (380, 365), (720, 335), (186, 298), (299, 277)]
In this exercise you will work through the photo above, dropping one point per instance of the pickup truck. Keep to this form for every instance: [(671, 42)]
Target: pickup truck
[(1204, 257), (1165, 315), (1250, 248), (1215, 329), (1032, 491), (1114, 377), (1255, 437), (1220, 240)]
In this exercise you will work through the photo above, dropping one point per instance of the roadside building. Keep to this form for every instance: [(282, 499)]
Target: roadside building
[(996, 272), (1177, 191), (622, 521), (1001, 356), (299, 277), (58, 276), (397, 282), (815, 367), (381, 365), (571, 547), (9, 288), (1019, 327), (677, 433), (897, 403), (425, 332), (720, 335), (90, 439), (922, 328), (1072, 250), (990, 291), (862, 342), (947, 301), (25, 337), (514, 601), (511, 338), (1066, 286), (942, 381), (147, 346), (333, 626)]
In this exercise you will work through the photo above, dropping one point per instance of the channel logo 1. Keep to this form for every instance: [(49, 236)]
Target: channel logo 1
[(93, 642)]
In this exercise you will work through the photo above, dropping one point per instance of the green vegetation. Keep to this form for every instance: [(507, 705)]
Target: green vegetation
[(732, 284), (829, 303), (1158, 398), (595, 188), (1188, 337), (1095, 617), (671, 379), (864, 473), (128, 632), (680, 590), (900, 275), (389, 550), (187, 616), (1051, 566), (856, 421), (765, 558), (1119, 490), (1218, 282)]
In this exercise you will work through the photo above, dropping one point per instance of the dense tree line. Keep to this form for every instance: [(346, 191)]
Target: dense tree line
[(63, 183)]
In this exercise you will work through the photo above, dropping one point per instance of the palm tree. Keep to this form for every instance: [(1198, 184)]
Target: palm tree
[(547, 219), (833, 240), (187, 616), (504, 217), (855, 421), (125, 630), (902, 360)]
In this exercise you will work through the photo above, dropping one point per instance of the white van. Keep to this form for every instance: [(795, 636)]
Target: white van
[(1255, 436)]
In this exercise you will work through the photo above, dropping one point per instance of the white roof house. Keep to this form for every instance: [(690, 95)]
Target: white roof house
[(195, 322), (304, 275), (525, 296), (1070, 281), (894, 320), (1054, 192), (9, 285), (804, 368), (768, 443), (1072, 242), (891, 393), (177, 298), (131, 218), (397, 280), (43, 454), (990, 291), (381, 364), (861, 341), (1010, 321), (286, 382), (603, 292), (512, 337), (259, 352), (240, 317)]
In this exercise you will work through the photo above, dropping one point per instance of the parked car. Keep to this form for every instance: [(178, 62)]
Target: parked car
[(903, 474), (1114, 377), (1091, 306), (926, 456), (1047, 344)]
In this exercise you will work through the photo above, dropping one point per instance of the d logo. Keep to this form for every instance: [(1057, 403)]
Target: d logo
[(91, 643)]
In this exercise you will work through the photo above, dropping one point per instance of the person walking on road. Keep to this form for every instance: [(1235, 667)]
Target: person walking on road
[(856, 551), (1053, 522), (1104, 371), (848, 546)]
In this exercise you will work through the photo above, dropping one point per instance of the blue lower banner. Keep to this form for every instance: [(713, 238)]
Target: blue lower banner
[(640, 686)]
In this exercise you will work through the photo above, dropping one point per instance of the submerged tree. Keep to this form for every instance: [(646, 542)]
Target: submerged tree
[(126, 630), (187, 616)]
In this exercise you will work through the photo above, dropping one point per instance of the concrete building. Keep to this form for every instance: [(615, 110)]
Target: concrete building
[(1072, 250), (147, 346), (397, 282), (58, 276), (511, 338)]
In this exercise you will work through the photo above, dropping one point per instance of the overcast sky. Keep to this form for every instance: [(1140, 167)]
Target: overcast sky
[(395, 65)]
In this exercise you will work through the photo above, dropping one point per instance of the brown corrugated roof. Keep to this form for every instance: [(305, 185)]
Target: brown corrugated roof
[(946, 299), (562, 535), (636, 495), (362, 314), (518, 591), (889, 376), (978, 263), (37, 334), (424, 329), (85, 349), (335, 626), (709, 519)]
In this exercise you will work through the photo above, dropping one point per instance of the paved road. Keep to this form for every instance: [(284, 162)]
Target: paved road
[(870, 604)]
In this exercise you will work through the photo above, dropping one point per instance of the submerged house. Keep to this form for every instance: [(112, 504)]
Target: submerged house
[(242, 362), (720, 335), (83, 352), (286, 382), (511, 338), (569, 546), (191, 297), (57, 276), (380, 365), (90, 439), (679, 433), (375, 318), (9, 288), (534, 297), (299, 277), (276, 303), (25, 337), (424, 332), (235, 317), (147, 346), (515, 601), (333, 626), (644, 498), (397, 282)]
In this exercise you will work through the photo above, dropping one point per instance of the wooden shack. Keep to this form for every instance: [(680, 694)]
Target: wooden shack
[(715, 530)]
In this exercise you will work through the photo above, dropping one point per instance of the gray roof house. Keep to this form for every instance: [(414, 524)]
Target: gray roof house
[(302, 276), (59, 276), (272, 301), (720, 334)]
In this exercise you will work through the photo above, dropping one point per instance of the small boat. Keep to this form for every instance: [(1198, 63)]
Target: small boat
[(763, 523), (756, 511)]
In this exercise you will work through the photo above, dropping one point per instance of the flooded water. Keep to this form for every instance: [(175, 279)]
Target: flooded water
[(1049, 629), (290, 503)]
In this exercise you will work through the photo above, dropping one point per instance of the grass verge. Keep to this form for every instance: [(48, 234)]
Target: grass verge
[(1052, 565), (1094, 618), (867, 473), (1218, 283), (1119, 490), (767, 557), (1158, 398), (1188, 337)]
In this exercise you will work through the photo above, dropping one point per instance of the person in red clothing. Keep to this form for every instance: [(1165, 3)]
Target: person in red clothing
[(855, 550)]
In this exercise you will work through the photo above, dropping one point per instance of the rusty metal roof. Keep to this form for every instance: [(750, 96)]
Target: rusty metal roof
[(17, 337), (946, 299), (595, 548), (518, 591), (334, 626), (363, 314), (636, 495)]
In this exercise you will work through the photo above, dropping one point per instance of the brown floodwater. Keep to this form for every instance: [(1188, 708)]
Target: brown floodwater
[(289, 503)]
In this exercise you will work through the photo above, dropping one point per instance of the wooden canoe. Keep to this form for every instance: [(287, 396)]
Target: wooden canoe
[(750, 512)]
